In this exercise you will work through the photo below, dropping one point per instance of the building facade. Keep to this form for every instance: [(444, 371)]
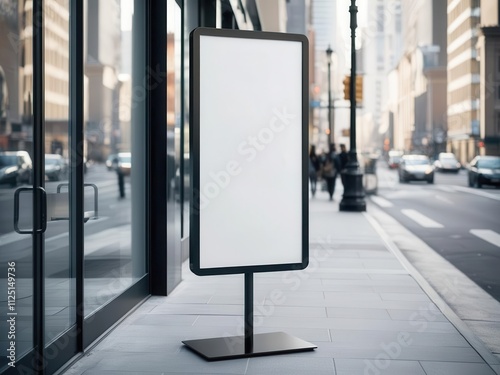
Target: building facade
[(420, 123), (489, 67), (382, 46), (463, 79)]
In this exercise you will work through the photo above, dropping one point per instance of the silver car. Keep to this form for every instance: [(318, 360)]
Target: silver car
[(416, 168)]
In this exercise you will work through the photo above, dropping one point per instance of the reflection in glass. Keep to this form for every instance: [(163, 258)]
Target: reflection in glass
[(16, 129), (113, 134), (60, 295)]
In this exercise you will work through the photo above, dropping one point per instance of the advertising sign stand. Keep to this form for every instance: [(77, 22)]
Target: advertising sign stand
[(235, 145), (248, 345)]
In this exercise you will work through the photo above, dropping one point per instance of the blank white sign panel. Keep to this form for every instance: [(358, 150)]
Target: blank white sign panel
[(250, 152)]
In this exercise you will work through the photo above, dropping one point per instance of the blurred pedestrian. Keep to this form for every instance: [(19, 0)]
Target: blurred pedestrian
[(343, 159), (314, 166), (121, 177), (330, 170)]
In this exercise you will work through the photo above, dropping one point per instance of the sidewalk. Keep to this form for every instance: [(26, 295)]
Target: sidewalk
[(356, 301)]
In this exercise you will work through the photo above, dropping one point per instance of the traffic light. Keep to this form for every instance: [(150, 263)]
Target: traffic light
[(347, 87), (359, 89)]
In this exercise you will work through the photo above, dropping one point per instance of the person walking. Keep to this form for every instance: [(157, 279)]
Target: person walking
[(314, 166), (343, 159), (330, 169)]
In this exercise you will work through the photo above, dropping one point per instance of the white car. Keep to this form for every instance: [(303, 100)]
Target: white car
[(447, 162)]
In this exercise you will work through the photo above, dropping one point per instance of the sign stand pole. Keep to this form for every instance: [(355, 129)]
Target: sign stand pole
[(248, 312), (248, 345)]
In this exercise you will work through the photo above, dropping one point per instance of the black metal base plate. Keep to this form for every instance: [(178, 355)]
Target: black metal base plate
[(233, 347)]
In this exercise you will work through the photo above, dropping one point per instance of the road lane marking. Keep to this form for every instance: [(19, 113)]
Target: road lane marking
[(421, 219), (446, 189), (381, 201), (446, 200), (487, 235)]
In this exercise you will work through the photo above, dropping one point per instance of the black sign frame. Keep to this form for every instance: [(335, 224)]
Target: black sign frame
[(194, 129)]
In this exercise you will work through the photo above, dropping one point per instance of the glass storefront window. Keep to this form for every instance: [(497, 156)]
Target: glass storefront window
[(16, 153), (115, 152)]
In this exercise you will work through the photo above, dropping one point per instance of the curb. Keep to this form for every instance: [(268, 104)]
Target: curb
[(491, 360)]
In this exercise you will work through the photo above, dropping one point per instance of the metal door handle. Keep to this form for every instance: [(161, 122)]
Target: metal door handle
[(18, 192)]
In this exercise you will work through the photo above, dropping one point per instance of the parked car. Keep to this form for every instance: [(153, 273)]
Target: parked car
[(416, 167), (124, 162), (56, 167), (447, 162), (15, 168), (484, 170)]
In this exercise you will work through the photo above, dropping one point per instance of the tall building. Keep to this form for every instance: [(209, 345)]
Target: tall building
[(103, 61), (326, 35), (420, 121), (299, 22), (393, 49), (489, 60), (382, 46), (463, 78)]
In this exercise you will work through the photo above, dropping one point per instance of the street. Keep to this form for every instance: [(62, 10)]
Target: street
[(458, 222)]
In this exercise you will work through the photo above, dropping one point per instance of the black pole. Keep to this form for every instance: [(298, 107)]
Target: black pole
[(354, 196), (248, 312), (76, 141), (330, 104), (38, 181)]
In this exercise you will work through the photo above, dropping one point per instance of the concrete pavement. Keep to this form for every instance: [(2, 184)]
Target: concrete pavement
[(367, 308)]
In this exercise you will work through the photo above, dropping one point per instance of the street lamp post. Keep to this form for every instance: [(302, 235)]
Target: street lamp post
[(353, 198), (329, 52)]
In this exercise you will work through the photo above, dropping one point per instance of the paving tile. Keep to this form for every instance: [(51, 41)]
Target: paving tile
[(143, 372), (163, 319), (288, 311), (381, 366), (408, 289), (445, 368), (183, 361), (395, 278), (350, 324), (395, 351), (406, 281), (402, 305), (352, 296), (198, 309), (383, 264), (404, 297), (340, 275), (340, 312), (141, 344), (430, 315), (313, 335), (287, 365)]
